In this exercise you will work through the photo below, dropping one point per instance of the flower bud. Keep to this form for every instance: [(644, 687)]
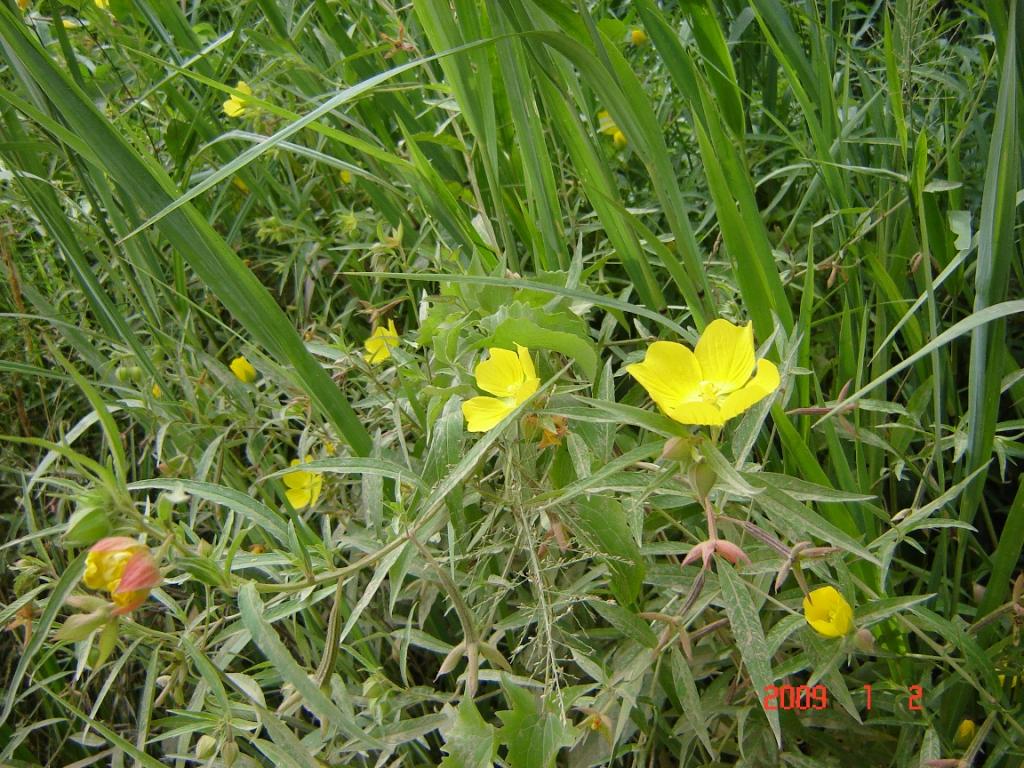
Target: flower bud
[(205, 746), (864, 640), (965, 733)]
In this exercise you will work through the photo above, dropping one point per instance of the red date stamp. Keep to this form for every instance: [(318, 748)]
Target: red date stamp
[(801, 698)]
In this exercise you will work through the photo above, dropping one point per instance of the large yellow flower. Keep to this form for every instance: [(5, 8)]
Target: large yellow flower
[(236, 105), (711, 384), (124, 568), (510, 377), (381, 342), (303, 487), (828, 612)]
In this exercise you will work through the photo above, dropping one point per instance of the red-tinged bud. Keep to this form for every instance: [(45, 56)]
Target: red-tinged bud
[(140, 573), (703, 550), (731, 552)]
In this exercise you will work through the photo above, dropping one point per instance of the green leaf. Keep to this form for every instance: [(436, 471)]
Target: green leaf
[(524, 331), (745, 621), (266, 639), (533, 735), (600, 523), (628, 623), (471, 741)]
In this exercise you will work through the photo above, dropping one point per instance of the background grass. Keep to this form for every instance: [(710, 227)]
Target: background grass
[(845, 175)]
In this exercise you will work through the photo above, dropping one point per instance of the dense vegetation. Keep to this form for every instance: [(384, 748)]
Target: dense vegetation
[(526, 382)]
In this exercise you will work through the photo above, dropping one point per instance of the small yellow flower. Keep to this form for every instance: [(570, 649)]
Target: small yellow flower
[(236, 105), (381, 342), (346, 177), (124, 568), (23, 4), (637, 37), (828, 613), (240, 185), (330, 448), (711, 384), (965, 733), (511, 377), (103, 5), (303, 487), (243, 370), (156, 391)]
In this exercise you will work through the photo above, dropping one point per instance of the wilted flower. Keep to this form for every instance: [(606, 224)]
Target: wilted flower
[(828, 612), (510, 377), (711, 384), (243, 370), (303, 487), (124, 568), (236, 105), (381, 342)]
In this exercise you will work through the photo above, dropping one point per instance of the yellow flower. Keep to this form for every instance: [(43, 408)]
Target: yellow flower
[(156, 391), (236, 105), (330, 448), (511, 377), (124, 568), (828, 613), (243, 370), (346, 177), (607, 126), (380, 343), (711, 384), (23, 4), (965, 733), (637, 37), (103, 5), (303, 487)]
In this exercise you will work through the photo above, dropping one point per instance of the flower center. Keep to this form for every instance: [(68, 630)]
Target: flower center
[(709, 392)]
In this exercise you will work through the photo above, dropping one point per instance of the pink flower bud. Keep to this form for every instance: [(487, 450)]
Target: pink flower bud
[(731, 552)]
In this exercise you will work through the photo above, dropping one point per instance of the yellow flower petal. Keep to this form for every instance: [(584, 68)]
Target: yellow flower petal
[(381, 342), (726, 354), (299, 497), (501, 373), (765, 381), (828, 612), (637, 37), (605, 124), (243, 370), (619, 139), (526, 362), (485, 413), (669, 372), (236, 106), (695, 412)]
